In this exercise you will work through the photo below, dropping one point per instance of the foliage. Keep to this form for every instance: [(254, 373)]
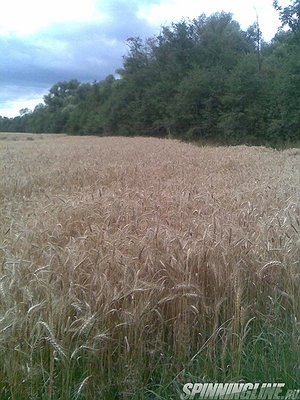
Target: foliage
[(290, 16)]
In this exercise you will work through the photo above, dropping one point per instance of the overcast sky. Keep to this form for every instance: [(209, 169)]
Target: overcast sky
[(45, 41)]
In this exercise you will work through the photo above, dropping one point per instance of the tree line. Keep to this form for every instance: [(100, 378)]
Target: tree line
[(198, 79)]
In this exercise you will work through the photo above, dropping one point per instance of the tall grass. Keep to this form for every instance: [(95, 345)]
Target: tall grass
[(132, 266)]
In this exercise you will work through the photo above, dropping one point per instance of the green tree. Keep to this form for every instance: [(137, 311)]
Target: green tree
[(290, 16), (59, 104), (246, 104), (284, 62)]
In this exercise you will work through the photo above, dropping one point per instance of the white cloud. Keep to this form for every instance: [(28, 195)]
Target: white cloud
[(12, 108), (28, 17), (244, 12)]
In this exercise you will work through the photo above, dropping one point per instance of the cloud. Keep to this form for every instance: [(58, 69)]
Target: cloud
[(82, 50), (30, 16), (166, 11), (16, 98)]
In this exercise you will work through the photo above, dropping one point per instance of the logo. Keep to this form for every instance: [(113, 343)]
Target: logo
[(238, 391)]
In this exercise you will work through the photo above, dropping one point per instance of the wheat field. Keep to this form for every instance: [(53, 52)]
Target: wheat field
[(130, 266)]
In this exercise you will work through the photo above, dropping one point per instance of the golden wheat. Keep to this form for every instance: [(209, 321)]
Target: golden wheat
[(121, 250)]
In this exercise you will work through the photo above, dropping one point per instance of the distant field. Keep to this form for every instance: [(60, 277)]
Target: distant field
[(131, 266), (27, 136)]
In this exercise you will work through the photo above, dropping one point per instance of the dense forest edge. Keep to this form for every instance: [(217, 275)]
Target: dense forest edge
[(203, 79)]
